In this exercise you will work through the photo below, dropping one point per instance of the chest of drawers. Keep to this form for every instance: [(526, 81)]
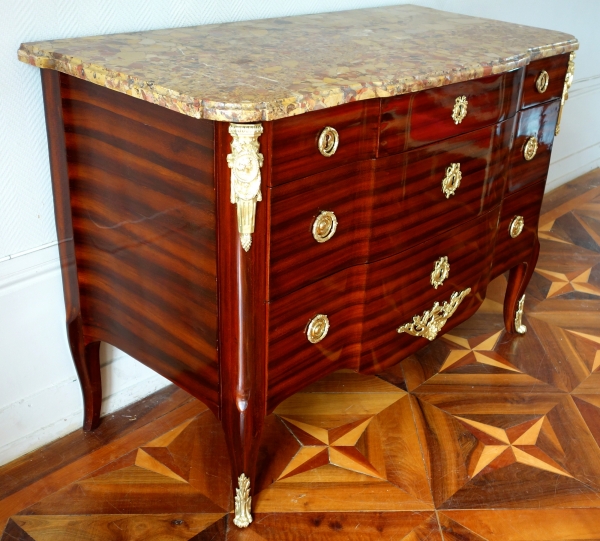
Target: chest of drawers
[(293, 196)]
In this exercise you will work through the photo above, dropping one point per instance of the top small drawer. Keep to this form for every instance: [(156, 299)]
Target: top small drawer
[(296, 140), (544, 80), (413, 120)]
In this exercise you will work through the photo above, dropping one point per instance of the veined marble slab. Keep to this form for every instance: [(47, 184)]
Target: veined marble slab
[(273, 68)]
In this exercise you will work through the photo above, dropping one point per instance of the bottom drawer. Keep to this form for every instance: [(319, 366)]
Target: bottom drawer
[(514, 243), (401, 287), (295, 361)]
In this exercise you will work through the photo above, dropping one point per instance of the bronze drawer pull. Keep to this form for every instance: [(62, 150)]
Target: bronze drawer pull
[(531, 147), (516, 226), (328, 141), (451, 181), (430, 323), (317, 328), (459, 111), (324, 226), (542, 81), (441, 271)]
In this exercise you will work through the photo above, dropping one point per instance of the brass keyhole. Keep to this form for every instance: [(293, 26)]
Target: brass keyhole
[(441, 271), (328, 141), (317, 329), (516, 226), (542, 81), (531, 147), (451, 181), (324, 226), (459, 111)]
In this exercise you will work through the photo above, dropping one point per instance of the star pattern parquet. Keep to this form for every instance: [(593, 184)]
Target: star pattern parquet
[(481, 436)]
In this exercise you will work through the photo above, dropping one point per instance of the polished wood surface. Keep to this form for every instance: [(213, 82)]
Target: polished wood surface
[(296, 258), (478, 436), (413, 120), (510, 251), (86, 360), (142, 201), (538, 122), (409, 206), (295, 140), (294, 362), (243, 312), (400, 287), (556, 68), (159, 270)]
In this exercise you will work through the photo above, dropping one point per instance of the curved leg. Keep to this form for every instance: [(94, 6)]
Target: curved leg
[(242, 434), (84, 356), (515, 292), (87, 364)]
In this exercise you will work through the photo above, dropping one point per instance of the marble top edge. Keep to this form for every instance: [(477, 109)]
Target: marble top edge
[(268, 69)]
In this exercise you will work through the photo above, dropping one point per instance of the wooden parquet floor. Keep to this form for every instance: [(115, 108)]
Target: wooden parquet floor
[(481, 436)]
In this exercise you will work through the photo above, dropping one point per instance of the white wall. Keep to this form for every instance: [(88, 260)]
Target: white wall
[(39, 392)]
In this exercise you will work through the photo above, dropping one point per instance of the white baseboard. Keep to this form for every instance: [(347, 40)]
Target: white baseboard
[(40, 418), (40, 396)]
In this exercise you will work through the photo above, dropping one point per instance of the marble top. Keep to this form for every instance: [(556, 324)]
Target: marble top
[(273, 68)]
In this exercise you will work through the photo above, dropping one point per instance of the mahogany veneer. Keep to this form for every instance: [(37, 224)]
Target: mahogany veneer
[(151, 255)]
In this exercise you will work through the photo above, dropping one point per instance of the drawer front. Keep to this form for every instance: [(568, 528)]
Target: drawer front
[(400, 287), (295, 140), (513, 250), (319, 225), (410, 205), (413, 120), (532, 146), (294, 361), (539, 87)]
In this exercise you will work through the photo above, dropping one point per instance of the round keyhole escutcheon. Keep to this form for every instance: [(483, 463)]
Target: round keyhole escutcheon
[(329, 140), (531, 147), (542, 81), (516, 226), (317, 329), (324, 226)]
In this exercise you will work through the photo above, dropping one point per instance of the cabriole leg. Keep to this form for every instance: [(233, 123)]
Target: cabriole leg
[(87, 364), (515, 292), (85, 357)]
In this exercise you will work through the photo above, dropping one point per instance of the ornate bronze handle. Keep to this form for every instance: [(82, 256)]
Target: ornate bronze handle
[(516, 226), (459, 111), (541, 83), (317, 328), (441, 270), (531, 147), (324, 226), (430, 323), (451, 181), (328, 141)]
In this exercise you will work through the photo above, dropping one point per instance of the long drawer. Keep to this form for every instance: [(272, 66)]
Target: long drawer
[(410, 205), (404, 286), (413, 120)]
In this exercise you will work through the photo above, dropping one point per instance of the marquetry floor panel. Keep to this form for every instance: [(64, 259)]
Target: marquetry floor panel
[(481, 436)]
